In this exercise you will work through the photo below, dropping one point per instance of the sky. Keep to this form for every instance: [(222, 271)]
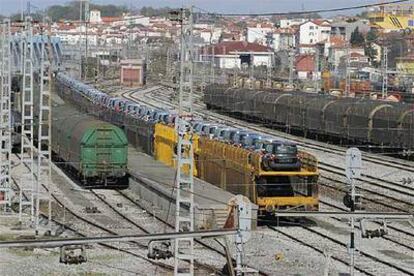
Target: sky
[(227, 6)]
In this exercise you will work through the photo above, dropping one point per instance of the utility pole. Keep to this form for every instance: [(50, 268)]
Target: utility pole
[(251, 73), (291, 57), (44, 170), (184, 221), (317, 70), (5, 116), (235, 77), (269, 69), (84, 18), (348, 72), (27, 145), (353, 171), (212, 65), (167, 63), (384, 72), (204, 76)]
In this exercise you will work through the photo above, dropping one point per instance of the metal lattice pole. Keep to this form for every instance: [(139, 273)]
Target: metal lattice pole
[(167, 64), (317, 70), (348, 72), (44, 171), (184, 220), (5, 117), (212, 64), (385, 72), (269, 69), (235, 77), (204, 71), (27, 147), (251, 73), (291, 57)]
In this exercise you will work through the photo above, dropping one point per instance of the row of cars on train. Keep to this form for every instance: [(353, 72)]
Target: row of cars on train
[(279, 154), (273, 173)]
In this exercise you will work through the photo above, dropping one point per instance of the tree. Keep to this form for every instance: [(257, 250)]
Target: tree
[(372, 35), (357, 38), (370, 51), (70, 11)]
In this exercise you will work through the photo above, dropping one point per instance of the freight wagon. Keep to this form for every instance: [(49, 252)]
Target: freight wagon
[(220, 162), (92, 151), (388, 126)]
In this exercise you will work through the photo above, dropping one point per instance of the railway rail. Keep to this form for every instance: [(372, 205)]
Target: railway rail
[(106, 230), (102, 229), (405, 235), (388, 267), (397, 189)]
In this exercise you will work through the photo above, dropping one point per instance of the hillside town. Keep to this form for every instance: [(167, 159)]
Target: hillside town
[(305, 49), (267, 138)]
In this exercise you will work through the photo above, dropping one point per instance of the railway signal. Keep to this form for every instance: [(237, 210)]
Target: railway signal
[(353, 170)]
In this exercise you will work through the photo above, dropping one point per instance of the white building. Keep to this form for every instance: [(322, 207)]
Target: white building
[(315, 31), (232, 54), (132, 20), (283, 39), (258, 34), (210, 34), (95, 16), (286, 23)]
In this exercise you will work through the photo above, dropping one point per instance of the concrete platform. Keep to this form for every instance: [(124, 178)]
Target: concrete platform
[(154, 182)]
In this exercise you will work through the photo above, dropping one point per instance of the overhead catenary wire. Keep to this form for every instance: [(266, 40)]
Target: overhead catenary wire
[(303, 12)]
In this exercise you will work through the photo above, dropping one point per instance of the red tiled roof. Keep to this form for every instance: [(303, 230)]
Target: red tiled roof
[(110, 19), (228, 47), (356, 55), (305, 63), (337, 40), (321, 22)]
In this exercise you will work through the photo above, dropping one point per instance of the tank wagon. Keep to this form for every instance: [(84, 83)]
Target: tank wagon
[(386, 125), (93, 151), (273, 173)]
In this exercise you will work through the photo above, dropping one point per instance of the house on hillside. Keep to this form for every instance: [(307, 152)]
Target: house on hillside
[(233, 54), (314, 31), (305, 67)]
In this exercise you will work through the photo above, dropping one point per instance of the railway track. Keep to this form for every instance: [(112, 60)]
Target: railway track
[(103, 195), (398, 189), (381, 266), (404, 235), (101, 230), (104, 230), (399, 200), (204, 244), (395, 192)]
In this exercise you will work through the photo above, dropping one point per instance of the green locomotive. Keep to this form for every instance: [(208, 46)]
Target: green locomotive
[(92, 151)]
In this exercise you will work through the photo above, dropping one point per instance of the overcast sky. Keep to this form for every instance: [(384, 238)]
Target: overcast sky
[(13, 6)]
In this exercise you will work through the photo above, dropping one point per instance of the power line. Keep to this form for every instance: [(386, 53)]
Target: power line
[(304, 12)]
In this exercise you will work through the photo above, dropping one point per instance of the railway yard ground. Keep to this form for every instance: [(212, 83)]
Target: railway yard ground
[(127, 217), (314, 246)]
